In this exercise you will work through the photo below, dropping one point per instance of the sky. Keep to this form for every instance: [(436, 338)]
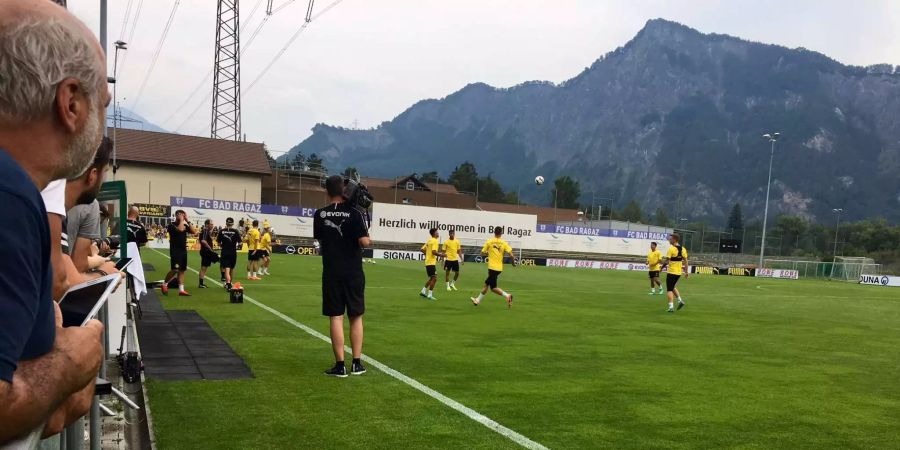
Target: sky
[(362, 62)]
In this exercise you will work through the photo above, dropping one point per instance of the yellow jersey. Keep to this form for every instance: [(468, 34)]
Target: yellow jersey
[(495, 249), (451, 249), (676, 267), (253, 239), (430, 248), (653, 260), (265, 242)]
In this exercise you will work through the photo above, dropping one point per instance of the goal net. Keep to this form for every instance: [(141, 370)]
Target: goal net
[(847, 268)]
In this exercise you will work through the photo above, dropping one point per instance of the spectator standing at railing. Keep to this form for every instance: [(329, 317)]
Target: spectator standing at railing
[(53, 98)]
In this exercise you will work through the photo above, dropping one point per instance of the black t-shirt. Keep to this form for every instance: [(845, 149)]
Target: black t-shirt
[(136, 232), (206, 236), (178, 239), (338, 228), (229, 239)]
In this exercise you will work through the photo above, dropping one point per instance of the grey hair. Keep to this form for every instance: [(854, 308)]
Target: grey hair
[(36, 54)]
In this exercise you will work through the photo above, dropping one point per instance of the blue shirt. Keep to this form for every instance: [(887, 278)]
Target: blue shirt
[(27, 317)]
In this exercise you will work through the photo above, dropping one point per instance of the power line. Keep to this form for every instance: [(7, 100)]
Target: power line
[(125, 19), (137, 15), (159, 46), (289, 42), (209, 74)]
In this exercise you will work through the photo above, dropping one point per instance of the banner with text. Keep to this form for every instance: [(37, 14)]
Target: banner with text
[(407, 223), (778, 273), (879, 280), (286, 220)]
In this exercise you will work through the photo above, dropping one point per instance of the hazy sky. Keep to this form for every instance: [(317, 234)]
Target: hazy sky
[(365, 61)]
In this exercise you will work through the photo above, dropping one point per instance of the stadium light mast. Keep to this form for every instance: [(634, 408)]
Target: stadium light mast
[(837, 226), (762, 251)]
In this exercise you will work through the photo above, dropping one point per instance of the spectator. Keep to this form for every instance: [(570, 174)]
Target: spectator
[(83, 219), (52, 106)]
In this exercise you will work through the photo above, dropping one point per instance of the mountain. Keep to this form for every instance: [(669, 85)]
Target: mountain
[(673, 119), (131, 120)]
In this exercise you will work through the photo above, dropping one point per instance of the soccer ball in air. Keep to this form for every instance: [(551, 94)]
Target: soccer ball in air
[(538, 180)]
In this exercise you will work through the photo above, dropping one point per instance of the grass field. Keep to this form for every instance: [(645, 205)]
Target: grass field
[(584, 359)]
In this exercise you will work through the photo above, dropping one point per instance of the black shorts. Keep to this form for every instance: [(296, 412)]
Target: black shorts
[(339, 296), (491, 280), (654, 273), (431, 271), (671, 280), (178, 260), (451, 265), (227, 261), (208, 258), (263, 253), (253, 255)]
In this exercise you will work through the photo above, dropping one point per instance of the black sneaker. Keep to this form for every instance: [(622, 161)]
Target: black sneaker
[(680, 304), (202, 286), (339, 370), (357, 368), (228, 286)]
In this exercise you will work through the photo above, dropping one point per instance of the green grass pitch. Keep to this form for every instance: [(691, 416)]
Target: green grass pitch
[(584, 359)]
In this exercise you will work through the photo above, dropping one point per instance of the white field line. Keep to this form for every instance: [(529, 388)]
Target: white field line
[(447, 401)]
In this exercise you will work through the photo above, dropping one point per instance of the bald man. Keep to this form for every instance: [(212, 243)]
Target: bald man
[(52, 107), (136, 231)]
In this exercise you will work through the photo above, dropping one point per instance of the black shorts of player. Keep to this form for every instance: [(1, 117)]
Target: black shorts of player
[(208, 258), (253, 255), (671, 280), (491, 280), (451, 266), (654, 273), (431, 271), (263, 253), (339, 296), (178, 260), (227, 261)]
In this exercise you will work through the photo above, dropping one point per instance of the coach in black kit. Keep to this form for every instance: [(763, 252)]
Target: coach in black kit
[(229, 240), (342, 233)]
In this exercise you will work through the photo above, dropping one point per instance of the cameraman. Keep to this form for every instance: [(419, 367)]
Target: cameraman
[(342, 233), (208, 256), (178, 233)]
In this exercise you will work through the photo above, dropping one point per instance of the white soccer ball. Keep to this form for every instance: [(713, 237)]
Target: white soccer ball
[(538, 180)]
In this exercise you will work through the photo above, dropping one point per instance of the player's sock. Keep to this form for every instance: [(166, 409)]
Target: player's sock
[(449, 284), (430, 293), (671, 305), (503, 293), (480, 297), (180, 288), (424, 291), (248, 274)]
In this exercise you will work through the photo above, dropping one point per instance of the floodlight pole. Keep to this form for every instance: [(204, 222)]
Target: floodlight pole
[(837, 226), (762, 251)]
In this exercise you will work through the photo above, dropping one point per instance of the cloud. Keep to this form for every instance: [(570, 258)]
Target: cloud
[(367, 61)]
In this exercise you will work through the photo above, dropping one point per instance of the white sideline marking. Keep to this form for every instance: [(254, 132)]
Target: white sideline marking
[(447, 401)]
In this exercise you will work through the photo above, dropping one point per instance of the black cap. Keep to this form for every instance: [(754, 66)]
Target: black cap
[(229, 221)]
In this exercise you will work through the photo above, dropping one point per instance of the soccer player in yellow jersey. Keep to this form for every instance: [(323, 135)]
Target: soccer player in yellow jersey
[(453, 254), (677, 260), (265, 250), (653, 267), (253, 254), (432, 250), (495, 249)]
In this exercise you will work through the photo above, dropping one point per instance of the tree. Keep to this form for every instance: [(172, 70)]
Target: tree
[(431, 177), (298, 162), (490, 191), (661, 218), (566, 192), (315, 163), (631, 212), (736, 218), (512, 198), (464, 177), (350, 172)]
